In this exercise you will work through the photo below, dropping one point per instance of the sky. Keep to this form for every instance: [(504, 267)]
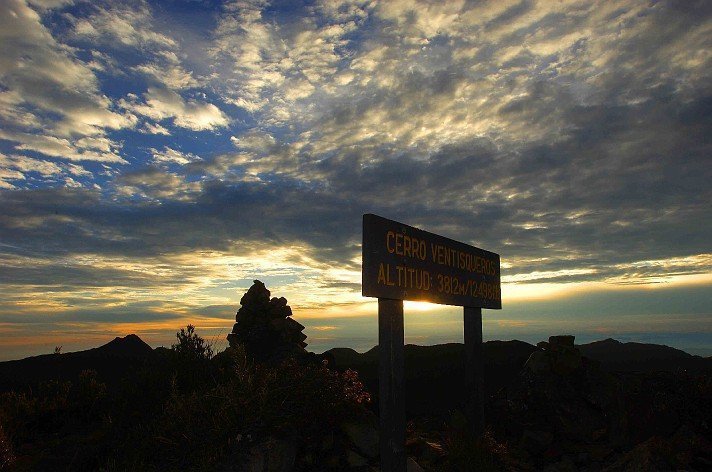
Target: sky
[(156, 157)]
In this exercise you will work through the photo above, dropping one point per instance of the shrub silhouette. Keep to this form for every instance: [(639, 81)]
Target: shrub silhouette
[(6, 455), (300, 402), (191, 345), (467, 452), (184, 409)]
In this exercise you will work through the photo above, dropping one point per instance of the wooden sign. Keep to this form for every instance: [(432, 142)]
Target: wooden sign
[(404, 263), (401, 262)]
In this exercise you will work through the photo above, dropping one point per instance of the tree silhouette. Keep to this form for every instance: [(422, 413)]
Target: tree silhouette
[(191, 345)]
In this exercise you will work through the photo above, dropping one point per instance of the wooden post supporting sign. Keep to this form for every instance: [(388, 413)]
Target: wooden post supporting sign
[(474, 370), (390, 385), (401, 262)]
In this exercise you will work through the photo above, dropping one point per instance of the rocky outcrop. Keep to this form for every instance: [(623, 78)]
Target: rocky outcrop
[(265, 328), (350, 446), (558, 355), (685, 450), (565, 412), (562, 407)]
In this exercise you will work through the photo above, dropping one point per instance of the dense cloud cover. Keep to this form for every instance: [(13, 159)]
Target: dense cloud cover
[(155, 156)]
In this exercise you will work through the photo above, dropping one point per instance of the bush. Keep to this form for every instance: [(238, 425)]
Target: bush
[(57, 423), (247, 405), (191, 345), (185, 409), (6, 455), (467, 452)]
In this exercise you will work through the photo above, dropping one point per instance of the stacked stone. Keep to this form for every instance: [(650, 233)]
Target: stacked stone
[(558, 355), (265, 327)]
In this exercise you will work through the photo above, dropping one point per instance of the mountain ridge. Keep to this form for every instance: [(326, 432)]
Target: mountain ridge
[(607, 351), (442, 362), (111, 360)]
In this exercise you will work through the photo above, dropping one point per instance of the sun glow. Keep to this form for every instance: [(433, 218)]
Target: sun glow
[(420, 306)]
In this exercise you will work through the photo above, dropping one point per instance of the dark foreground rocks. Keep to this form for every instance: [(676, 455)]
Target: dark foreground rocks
[(563, 412), (351, 446)]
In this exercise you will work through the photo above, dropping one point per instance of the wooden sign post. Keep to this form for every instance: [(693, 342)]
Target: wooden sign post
[(474, 369), (401, 262), (390, 384)]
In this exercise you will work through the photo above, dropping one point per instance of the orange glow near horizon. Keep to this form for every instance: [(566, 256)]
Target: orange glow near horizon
[(319, 296)]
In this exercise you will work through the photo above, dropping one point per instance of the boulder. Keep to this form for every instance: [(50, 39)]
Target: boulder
[(565, 341), (412, 466), (364, 436), (428, 452), (538, 363), (558, 355), (274, 455), (354, 459)]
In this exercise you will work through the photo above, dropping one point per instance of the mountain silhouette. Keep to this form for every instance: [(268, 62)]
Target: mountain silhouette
[(111, 361), (639, 357), (434, 375), (128, 346)]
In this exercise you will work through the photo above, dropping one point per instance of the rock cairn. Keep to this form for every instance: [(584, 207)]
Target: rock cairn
[(558, 355), (265, 327)]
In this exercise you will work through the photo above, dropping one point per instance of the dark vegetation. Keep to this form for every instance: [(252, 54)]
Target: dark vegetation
[(125, 406), (621, 406), (178, 410)]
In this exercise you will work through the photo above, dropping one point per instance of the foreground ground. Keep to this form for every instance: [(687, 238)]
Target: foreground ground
[(126, 406)]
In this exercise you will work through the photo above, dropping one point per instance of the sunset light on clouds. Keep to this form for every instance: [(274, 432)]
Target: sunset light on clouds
[(156, 157)]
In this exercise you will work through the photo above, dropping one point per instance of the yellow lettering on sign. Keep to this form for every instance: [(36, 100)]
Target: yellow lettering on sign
[(421, 248), (381, 274), (388, 275), (413, 278), (389, 238), (403, 245)]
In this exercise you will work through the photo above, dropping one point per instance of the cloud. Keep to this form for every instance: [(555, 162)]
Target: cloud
[(325, 328), (514, 115), (154, 128), (49, 4), (45, 87), (267, 68), (18, 167), (168, 155), (9, 174), (124, 25), (27, 164), (572, 138), (43, 75), (83, 149), (421, 20), (156, 184), (160, 104), (168, 71)]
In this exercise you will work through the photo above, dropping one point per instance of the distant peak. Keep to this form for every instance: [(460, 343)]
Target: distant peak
[(128, 345), (129, 338)]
